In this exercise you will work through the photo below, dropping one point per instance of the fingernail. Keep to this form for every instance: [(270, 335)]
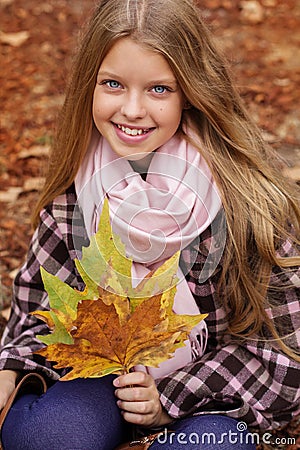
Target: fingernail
[(116, 382)]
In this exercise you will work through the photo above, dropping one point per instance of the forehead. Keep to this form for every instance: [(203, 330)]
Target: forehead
[(130, 57)]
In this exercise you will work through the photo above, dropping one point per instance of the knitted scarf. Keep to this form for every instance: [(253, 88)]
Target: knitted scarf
[(155, 217)]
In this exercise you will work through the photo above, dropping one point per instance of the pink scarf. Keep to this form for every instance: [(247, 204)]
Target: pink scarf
[(154, 218)]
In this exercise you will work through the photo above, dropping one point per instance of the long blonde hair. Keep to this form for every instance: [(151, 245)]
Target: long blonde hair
[(259, 205)]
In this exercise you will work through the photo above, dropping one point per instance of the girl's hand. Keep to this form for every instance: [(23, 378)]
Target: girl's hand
[(139, 401), (7, 385)]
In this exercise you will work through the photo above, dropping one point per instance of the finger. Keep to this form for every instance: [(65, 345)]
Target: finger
[(134, 378), (136, 407), (137, 419), (134, 394)]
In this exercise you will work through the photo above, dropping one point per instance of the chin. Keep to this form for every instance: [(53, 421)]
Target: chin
[(138, 156)]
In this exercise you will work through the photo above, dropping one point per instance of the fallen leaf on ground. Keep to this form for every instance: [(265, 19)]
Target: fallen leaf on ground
[(11, 195), (14, 39), (33, 184), (35, 151), (293, 173)]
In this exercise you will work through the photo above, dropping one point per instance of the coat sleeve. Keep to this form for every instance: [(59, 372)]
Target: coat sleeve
[(253, 381), (52, 247)]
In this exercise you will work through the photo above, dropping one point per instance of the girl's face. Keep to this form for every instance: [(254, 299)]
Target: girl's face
[(137, 104)]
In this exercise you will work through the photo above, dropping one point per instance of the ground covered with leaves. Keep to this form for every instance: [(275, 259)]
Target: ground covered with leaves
[(37, 39)]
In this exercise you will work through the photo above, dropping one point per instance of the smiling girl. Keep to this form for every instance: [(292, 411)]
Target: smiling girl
[(152, 121), (137, 103)]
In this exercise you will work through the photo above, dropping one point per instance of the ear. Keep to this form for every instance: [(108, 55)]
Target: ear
[(187, 105)]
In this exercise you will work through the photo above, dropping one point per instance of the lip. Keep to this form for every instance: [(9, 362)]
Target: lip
[(128, 139)]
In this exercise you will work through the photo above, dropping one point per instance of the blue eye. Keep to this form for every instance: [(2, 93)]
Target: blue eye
[(112, 84), (160, 89)]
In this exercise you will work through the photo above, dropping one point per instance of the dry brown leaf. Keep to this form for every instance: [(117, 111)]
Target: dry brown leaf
[(14, 39), (11, 195)]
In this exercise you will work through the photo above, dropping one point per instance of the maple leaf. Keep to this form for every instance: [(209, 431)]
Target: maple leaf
[(111, 327)]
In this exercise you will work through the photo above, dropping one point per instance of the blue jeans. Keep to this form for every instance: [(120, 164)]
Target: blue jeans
[(82, 415)]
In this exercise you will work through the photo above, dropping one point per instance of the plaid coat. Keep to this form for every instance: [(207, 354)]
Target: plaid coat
[(250, 380)]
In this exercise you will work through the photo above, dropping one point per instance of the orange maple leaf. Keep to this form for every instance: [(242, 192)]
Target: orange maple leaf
[(99, 331)]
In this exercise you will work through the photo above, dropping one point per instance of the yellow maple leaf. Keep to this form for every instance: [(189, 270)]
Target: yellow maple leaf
[(111, 327)]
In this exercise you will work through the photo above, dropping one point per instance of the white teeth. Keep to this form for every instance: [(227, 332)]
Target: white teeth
[(132, 131)]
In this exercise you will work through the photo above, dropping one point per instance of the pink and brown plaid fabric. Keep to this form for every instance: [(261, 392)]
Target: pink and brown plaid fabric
[(250, 380)]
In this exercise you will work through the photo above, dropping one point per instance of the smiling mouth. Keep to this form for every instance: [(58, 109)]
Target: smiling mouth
[(133, 131)]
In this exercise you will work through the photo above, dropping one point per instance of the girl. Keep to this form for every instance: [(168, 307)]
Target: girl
[(152, 122)]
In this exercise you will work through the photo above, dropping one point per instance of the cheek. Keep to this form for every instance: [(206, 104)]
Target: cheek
[(95, 107), (172, 112), (98, 115), (101, 108), (172, 116), (101, 115)]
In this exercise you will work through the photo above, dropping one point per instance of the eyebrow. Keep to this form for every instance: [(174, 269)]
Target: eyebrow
[(152, 82)]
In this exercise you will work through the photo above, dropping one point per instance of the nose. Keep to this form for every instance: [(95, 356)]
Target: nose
[(132, 106)]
